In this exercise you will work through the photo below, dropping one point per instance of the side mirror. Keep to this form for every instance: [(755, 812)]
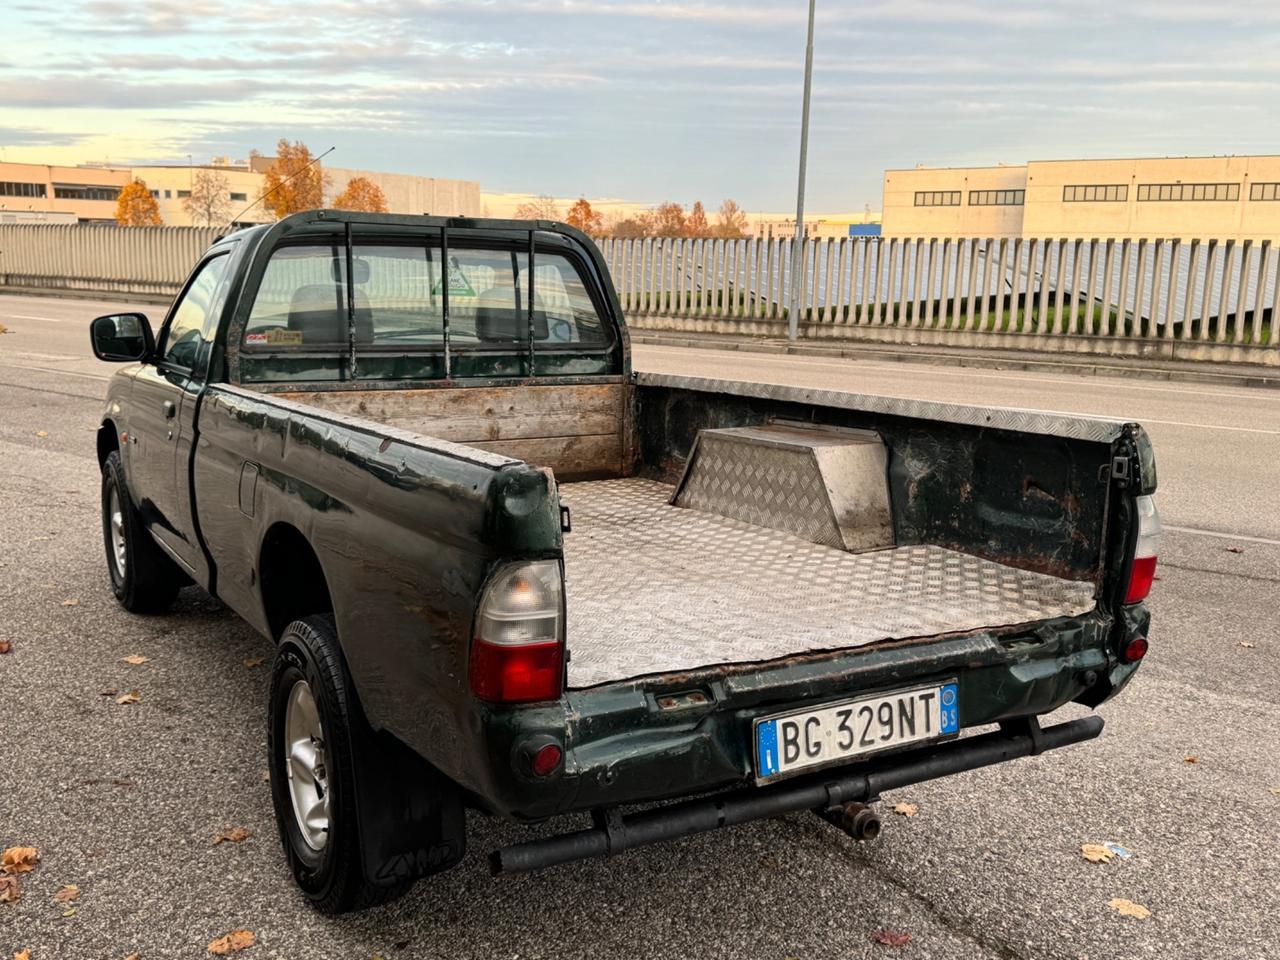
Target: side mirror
[(122, 337)]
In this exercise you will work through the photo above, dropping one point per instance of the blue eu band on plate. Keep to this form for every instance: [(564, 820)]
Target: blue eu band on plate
[(840, 731)]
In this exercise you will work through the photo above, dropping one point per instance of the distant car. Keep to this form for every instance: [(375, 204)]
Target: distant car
[(503, 573)]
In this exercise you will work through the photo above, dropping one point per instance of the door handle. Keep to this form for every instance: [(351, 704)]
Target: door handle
[(170, 409)]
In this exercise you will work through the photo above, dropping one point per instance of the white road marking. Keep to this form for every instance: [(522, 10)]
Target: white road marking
[(27, 316), (1197, 531), (969, 372)]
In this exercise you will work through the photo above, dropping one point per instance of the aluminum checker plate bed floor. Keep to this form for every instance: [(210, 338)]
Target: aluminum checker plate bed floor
[(653, 588)]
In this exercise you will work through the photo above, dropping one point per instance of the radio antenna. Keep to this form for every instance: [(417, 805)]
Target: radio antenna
[(279, 185)]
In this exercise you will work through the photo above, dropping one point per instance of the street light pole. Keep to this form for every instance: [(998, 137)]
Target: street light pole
[(797, 248)]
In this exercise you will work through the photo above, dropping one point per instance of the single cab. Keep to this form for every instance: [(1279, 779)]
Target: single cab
[(504, 574)]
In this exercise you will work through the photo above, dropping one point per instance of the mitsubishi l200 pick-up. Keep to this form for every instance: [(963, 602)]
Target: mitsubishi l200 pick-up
[(504, 574)]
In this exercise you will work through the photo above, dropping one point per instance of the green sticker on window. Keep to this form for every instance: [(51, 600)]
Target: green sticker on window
[(458, 285)]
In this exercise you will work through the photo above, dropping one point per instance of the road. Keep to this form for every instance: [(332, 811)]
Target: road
[(124, 801)]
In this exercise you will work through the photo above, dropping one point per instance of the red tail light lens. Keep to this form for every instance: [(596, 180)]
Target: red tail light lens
[(1143, 570), (517, 655), (1134, 650), (546, 760)]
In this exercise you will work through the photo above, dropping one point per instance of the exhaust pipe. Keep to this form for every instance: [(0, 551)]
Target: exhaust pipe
[(856, 819)]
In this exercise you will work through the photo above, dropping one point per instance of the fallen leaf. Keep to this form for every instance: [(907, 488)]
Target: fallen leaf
[(234, 835), (136, 659), (5, 646), (42, 434), (906, 809), (133, 956), (234, 941), (891, 938), (66, 893), (22, 955), (1248, 644), (1191, 758), (133, 696), (19, 860), (1275, 791), (71, 603), (266, 776), (1127, 908), (252, 662), (10, 889), (1235, 549), (69, 912), (1096, 853)]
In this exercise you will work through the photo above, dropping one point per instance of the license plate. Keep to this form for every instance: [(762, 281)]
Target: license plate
[(793, 741)]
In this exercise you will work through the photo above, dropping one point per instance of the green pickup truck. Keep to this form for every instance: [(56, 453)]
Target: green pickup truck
[(505, 574)]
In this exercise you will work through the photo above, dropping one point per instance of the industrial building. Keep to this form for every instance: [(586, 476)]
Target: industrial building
[(87, 194), (1236, 198)]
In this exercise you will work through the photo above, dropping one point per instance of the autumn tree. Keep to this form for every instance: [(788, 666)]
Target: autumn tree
[(293, 182), (209, 203), (696, 225), (136, 207), (541, 207), (362, 194), (731, 221), (668, 220), (582, 216)]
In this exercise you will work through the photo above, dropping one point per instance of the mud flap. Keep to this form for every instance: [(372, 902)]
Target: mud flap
[(411, 820)]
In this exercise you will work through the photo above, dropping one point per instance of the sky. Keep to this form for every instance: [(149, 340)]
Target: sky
[(644, 101)]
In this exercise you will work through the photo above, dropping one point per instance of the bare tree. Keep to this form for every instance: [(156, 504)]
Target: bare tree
[(731, 221), (209, 204), (541, 207)]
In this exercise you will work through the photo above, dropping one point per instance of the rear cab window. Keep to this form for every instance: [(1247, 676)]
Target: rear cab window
[(297, 327)]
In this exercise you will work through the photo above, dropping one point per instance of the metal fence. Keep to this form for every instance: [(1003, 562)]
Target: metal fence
[(1099, 295), (1223, 292)]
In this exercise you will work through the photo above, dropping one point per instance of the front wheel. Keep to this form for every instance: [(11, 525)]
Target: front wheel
[(143, 577), (312, 763)]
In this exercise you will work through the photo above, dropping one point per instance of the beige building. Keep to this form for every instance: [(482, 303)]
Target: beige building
[(1165, 197), (88, 194), (85, 194)]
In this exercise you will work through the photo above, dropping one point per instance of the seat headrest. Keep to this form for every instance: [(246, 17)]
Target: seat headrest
[(498, 320)]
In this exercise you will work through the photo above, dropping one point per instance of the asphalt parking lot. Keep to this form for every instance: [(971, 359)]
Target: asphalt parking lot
[(124, 800)]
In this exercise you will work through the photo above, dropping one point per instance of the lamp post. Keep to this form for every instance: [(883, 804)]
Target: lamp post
[(795, 289)]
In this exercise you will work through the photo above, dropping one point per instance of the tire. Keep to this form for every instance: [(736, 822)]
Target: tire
[(329, 870), (143, 577)]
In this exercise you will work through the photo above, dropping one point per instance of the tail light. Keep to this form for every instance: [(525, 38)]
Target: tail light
[(1143, 570), (517, 655)]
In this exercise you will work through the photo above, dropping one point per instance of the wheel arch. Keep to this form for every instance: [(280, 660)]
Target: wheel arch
[(108, 441), (293, 580)]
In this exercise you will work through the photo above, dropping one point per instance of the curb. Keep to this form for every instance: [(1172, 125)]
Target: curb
[(1039, 363)]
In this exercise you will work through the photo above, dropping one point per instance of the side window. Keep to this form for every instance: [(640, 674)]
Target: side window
[(560, 293), (302, 299), (192, 323)]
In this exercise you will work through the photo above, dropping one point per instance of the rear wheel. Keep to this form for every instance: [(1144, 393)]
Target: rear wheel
[(143, 577), (312, 762)]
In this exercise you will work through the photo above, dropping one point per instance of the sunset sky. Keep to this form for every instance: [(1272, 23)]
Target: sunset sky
[(645, 101)]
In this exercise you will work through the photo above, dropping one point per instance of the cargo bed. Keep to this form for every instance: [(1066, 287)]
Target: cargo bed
[(655, 588)]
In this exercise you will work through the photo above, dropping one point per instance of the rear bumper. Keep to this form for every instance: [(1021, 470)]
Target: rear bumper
[(677, 735), (614, 832)]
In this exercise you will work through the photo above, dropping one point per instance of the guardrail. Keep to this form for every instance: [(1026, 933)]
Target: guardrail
[(1204, 299)]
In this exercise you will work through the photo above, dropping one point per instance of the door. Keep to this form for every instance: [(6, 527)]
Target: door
[(157, 479)]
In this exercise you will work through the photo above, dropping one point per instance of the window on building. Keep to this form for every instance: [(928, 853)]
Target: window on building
[(937, 198), (84, 191), (1264, 191), (1095, 193), (183, 194), (168, 194), (997, 198), (1189, 191), (12, 189), (239, 197)]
